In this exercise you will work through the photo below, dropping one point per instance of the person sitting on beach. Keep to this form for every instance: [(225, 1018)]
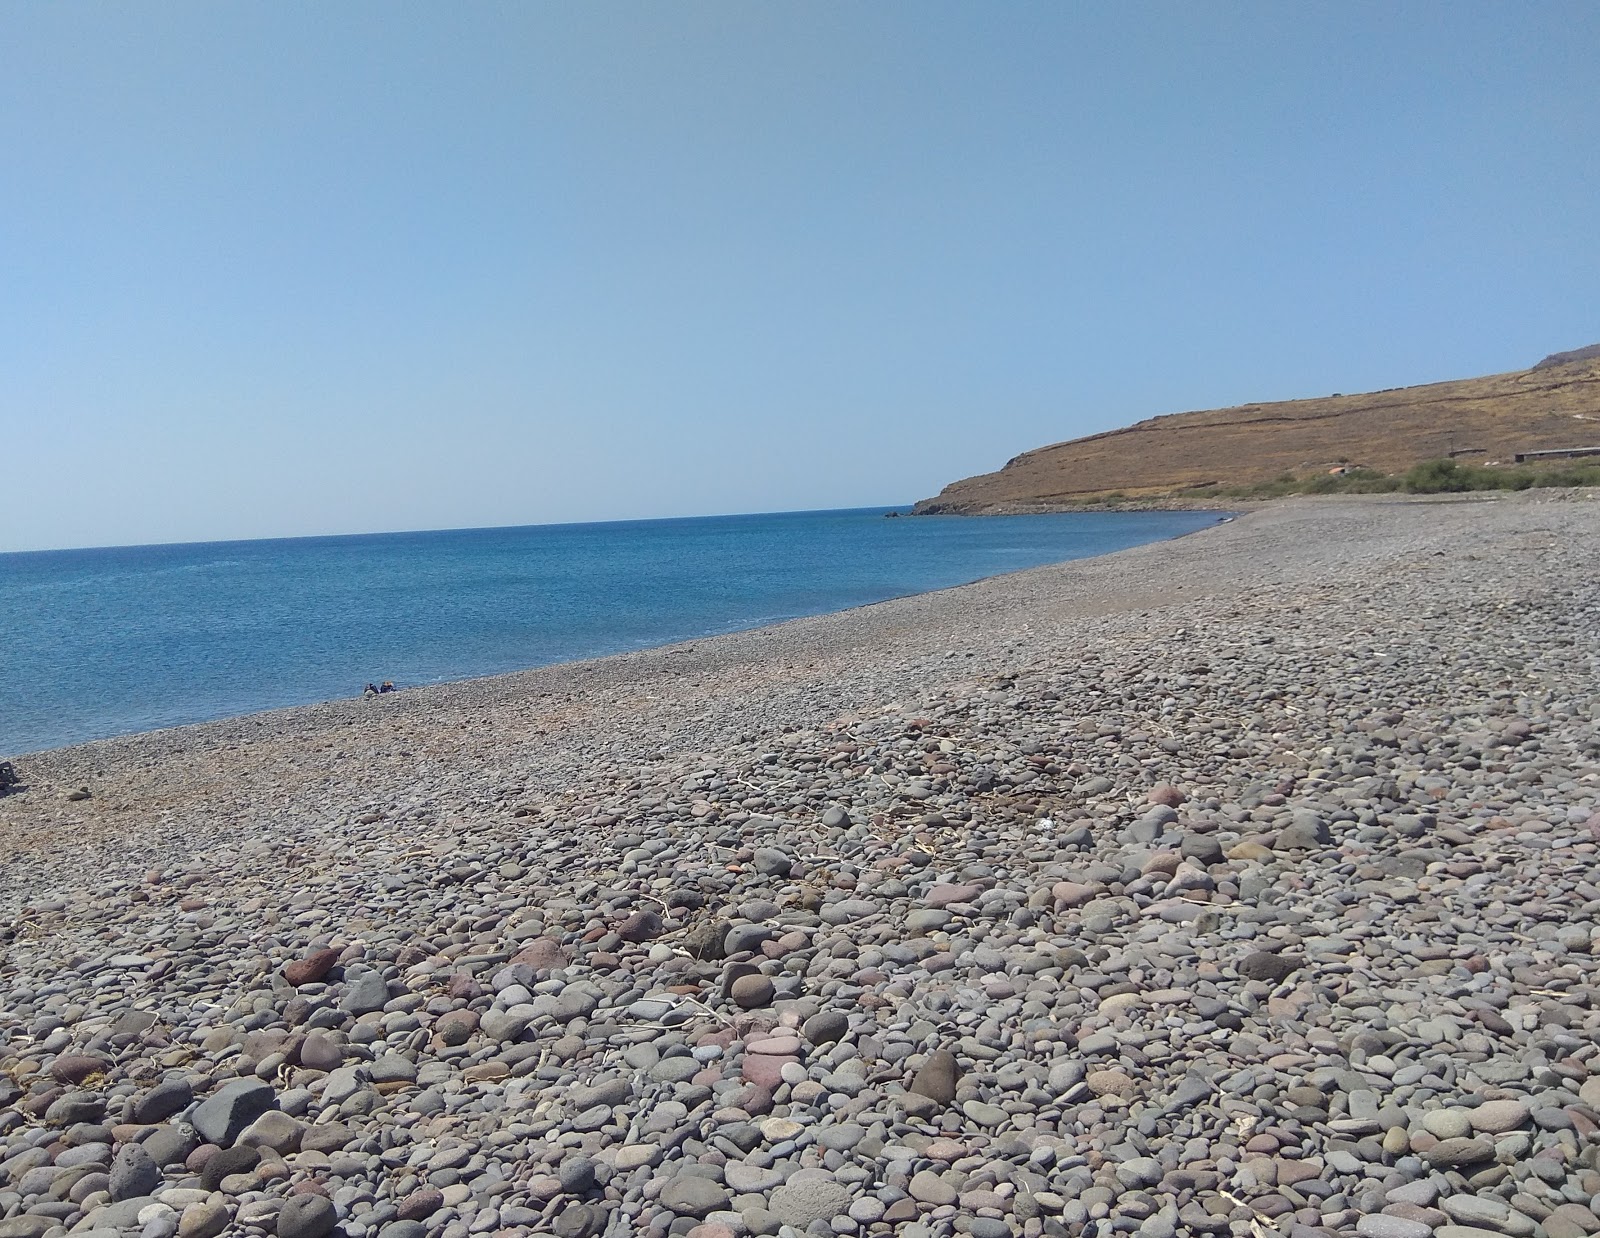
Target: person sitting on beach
[(388, 686), (370, 690)]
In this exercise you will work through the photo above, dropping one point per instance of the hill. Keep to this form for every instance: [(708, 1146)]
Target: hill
[(1553, 406)]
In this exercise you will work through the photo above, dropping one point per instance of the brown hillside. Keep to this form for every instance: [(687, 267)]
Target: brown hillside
[(1475, 419)]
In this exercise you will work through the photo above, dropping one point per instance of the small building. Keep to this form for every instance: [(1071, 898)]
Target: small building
[(1564, 453)]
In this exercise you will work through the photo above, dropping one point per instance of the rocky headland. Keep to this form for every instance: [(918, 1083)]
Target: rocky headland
[(1552, 406), (1244, 884)]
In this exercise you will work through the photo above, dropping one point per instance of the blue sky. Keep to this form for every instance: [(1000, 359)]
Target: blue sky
[(278, 269)]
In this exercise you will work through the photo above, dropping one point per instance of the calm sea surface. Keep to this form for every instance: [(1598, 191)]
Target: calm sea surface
[(103, 642)]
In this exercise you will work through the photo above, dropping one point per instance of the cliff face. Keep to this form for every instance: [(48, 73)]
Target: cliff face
[(1552, 406)]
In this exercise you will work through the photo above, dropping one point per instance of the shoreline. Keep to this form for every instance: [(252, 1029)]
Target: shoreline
[(689, 635), (1083, 588), (287, 715), (1243, 882)]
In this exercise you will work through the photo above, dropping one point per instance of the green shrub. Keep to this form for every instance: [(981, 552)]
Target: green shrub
[(1437, 477), (1429, 477)]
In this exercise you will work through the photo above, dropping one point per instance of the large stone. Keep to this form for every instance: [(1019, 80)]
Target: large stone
[(1110, 1082), (765, 1070), (162, 1101), (542, 954), (1485, 1212), (771, 862), (1306, 832), (694, 1197), (274, 1130), (326, 1137), (76, 1067), (76, 1107), (312, 968), (423, 1202), (319, 1051), (944, 894), (575, 1221), (133, 1173), (1570, 1221), (826, 1027), (307, 1216), (707, 940), (926, 920), (1070, 894), (222, 1117), (640, 926), (927, 1187), (455, 1027), (1264, 965), (1452, 1153), (1447, 1123), (168, 1145), (507, 1026), (743, 938), (937, 1077), (809, 1195), (1497, 1117), (577, 1175), (205, 1219), (751, 991), (238, 1159), (367, 991)]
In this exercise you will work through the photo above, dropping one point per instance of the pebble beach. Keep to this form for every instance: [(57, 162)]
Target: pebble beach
[(1242, 884)]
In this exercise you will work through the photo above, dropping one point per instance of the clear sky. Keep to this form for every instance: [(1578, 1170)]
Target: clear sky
[(280, 268)]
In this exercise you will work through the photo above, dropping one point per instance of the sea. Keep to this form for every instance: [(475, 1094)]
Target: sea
[(103, 642)]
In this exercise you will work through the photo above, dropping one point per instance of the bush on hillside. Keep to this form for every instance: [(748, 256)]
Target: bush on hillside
[(1429, 477)]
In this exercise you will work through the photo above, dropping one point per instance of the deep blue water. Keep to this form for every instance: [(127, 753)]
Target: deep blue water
[(103, 642)]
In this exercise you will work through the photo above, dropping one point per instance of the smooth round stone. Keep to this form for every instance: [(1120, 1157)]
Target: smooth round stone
[(926, 920), (694, 1197), (748, 1179), (203, 1220), (984, 1114), (1452, 1153), (783, 1045), (826, 1027), (1448, 1123), (633, 1155), (1486, 1212), (841, 1137), (927, 1187), (1498, 1117), (752, 991)]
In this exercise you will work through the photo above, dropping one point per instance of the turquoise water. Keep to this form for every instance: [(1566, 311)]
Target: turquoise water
[(104, 642)]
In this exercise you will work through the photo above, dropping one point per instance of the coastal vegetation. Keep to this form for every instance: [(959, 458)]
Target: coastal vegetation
[(1443, 476)]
